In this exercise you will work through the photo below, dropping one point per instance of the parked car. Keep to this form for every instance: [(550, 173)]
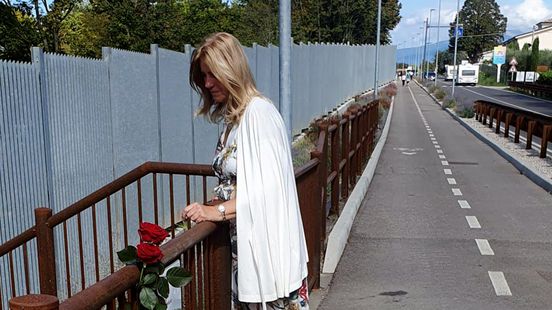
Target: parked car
[(429, 76)]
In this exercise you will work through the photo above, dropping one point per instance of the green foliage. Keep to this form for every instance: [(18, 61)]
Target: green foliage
[(545, 78), (81, 28), (487, 75), (18, 32), (449, 103), (514, 45), (479, 17), (466, 112), (534, 62), (447, 58), (178, 277), (440, 94), (525, 47), (432, 88)]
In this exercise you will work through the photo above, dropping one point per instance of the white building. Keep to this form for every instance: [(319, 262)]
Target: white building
[(542, 30)]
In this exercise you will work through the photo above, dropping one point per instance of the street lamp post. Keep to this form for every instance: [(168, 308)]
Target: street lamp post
[(425, 47), (437, 50), (456, 68), (429, 40), (376, 73)]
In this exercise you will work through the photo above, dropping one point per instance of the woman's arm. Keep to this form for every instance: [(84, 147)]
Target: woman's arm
[(199, 213)]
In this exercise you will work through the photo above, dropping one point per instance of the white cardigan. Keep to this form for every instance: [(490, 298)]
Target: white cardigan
[(272, 251)]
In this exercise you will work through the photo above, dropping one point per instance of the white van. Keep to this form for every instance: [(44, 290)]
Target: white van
[(468, 74), (449, 72)]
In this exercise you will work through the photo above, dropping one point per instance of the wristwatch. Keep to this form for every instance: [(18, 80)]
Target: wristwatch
[(222, 209)]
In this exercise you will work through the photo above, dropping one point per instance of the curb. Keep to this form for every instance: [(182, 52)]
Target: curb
[(339, 235), (533, 175)]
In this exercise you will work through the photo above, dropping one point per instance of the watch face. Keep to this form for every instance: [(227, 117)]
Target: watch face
[(221, 208)]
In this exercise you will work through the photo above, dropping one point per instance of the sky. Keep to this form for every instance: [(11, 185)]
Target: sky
[(521, 14)]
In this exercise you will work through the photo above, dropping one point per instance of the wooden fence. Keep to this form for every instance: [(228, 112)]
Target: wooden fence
[(344, 144)]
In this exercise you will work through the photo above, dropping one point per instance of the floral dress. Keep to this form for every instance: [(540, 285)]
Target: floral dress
[(224, 166)]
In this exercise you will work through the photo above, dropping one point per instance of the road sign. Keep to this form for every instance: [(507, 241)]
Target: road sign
[(460, 31), (499, 55)]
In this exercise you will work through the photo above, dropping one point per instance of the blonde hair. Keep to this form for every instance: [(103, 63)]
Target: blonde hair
[(224, 56)]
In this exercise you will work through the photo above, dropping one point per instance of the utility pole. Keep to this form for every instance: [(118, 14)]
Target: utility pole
[(376, 73), (428, 40), (437, 52), (425, 46), (285, 64), (456, 68)]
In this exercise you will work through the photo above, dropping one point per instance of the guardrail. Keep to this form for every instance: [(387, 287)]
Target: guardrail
[(533, 89), (204, 249), (533, 123)]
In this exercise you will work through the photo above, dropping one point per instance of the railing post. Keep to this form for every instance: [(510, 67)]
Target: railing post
[(219, 268), (507, 123), (345, 150), (46, 253), (530, 129), (335, 166), (323, 127), (34, 302), (519, 123), (546, 132), (499, 115)]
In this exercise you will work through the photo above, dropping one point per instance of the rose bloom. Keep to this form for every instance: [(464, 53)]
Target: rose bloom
[(148, 253), (152, 233)]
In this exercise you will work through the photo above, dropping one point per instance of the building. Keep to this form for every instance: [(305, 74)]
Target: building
[(542, 30)]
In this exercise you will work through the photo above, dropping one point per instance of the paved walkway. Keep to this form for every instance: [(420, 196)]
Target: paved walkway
[(446, 224)]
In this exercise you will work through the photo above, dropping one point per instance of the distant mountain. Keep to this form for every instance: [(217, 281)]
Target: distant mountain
[(408, 55)]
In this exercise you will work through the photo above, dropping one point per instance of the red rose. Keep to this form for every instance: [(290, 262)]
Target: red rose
[(152, 233), (149, 253)]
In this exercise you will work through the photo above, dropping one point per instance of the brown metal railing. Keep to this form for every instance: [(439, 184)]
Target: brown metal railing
[(533, 89), (203, 249), (94, 216), (533, 123)]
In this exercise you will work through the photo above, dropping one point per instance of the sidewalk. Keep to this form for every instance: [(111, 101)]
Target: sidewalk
[(440, 203)]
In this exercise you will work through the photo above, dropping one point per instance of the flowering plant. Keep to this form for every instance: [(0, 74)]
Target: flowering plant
[(153, 287)]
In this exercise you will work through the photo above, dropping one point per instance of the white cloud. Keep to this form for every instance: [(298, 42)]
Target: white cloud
[(525, 14)]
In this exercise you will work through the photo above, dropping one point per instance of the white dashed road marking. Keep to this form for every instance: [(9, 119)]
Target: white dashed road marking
[(484, 247), (447, 171), (499, 283), (444, 163), (442, 157), (451, 181), (464, 204), (456, 192), (473, 222), (440, 151)]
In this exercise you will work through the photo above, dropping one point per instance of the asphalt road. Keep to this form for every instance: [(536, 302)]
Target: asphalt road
[(446, 224), (466, 95)]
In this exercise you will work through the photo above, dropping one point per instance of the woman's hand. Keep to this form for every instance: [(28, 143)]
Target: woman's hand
[(199, 213)]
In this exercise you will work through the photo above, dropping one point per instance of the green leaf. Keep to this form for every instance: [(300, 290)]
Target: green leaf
[(148, 298), (149, 279), (178, 277), (163, 287), (161, 307), (128, 255), (157, 268)]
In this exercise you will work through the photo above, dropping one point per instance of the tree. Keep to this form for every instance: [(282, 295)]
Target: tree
[(534, 55), (447, 58), (484, 27), (18, 32), (514, 45)]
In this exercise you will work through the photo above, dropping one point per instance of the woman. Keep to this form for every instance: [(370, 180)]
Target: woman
[(257, 184)]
